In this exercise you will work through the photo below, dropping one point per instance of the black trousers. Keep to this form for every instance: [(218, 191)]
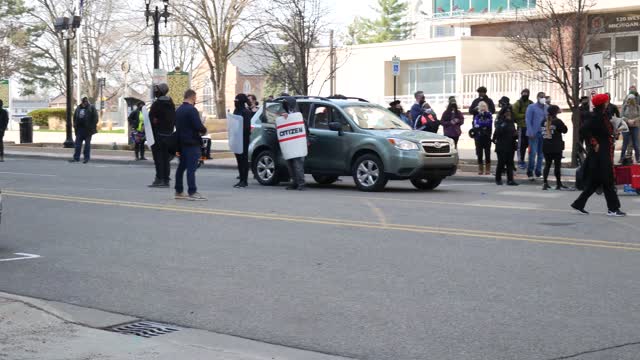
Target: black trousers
[(613, 203), (483, 147), (243, 160), (556, 159), (505, 160), (2, 143), (161, 159), (139, 150), (523, 144)]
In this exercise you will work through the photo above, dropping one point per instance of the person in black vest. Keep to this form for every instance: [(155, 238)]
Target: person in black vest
[(553, 146), (163, 119), (505, 138), (242, 104), (85, 124), (4, 122), (598, 132)]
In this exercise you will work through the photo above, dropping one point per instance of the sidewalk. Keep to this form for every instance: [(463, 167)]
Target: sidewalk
[(37, 329)]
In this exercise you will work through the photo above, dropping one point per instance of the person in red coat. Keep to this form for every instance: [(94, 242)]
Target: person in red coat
[(598, 133)]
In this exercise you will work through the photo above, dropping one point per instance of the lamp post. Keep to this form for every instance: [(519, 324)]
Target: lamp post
[(67, 27), (101, 84), (157, 15)]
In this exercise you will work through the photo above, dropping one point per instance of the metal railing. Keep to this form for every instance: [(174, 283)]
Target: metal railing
[(510, 83)]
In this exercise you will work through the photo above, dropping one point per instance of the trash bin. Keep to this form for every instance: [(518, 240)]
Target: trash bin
[(26, 130)]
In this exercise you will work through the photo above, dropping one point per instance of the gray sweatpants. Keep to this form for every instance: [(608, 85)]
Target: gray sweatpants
[(296, 170)]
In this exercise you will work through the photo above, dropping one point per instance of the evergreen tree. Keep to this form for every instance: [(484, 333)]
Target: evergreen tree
[(13, 36), (390, 24)]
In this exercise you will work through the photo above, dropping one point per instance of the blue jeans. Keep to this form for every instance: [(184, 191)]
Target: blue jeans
[(189, 157), (631, 136), (535, 152), (82, 135)]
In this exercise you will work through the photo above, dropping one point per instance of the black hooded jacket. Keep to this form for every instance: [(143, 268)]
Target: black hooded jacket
[(163, 116)]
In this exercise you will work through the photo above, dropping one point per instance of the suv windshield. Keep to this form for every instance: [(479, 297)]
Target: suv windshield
[(373, 117)]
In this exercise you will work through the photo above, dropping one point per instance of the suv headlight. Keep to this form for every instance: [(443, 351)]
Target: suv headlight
[(403, 144)]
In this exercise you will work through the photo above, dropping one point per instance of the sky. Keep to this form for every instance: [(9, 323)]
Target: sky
[(344, 11)]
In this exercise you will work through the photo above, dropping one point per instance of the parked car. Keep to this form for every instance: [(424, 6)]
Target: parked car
[(352, 137)]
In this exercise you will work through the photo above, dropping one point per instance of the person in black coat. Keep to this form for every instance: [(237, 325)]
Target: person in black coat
[(4, 122), (553, 146), (598, 167), (163, 120), (85, 124), (506, 139), (242, 105), (482, 96)]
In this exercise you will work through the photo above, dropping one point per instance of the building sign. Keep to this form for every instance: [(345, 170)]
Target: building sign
[(4, 92), (614, 23), (179, 82)]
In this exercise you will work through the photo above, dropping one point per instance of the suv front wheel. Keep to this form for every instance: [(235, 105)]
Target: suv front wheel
[(265, 169), (426, 184), (368, 173)]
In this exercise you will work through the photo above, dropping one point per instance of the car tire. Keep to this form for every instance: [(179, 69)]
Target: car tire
[(266, 169), (368, 173), (325, 179), (426, 184)]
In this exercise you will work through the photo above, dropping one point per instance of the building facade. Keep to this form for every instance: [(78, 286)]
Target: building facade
[(459, 45)]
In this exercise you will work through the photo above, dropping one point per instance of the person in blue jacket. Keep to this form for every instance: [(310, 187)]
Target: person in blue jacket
[(535, 116), (189, 131), (482, 130)]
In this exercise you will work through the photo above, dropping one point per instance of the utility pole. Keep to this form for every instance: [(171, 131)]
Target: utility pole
[(157, 15), (332, 65)]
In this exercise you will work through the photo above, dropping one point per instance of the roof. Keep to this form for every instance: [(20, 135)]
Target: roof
[(247, 59)]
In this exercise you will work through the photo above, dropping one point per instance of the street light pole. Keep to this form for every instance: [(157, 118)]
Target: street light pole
[(67, 27), (157, 15), (68, 143)]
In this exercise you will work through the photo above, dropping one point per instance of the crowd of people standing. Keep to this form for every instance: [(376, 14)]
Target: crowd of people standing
[(534, 125)]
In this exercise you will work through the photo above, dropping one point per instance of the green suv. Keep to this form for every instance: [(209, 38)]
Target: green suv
[(352, 137)]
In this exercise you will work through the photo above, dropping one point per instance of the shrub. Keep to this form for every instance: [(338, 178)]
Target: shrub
[(41, 116)]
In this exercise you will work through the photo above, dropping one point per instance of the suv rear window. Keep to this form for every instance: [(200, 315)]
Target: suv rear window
[(272, 110)]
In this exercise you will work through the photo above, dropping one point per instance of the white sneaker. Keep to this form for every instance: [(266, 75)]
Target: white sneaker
[(616, 213), (181, 196), (197, 197)]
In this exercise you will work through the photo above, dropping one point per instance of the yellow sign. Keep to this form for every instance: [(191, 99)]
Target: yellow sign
[(4, 92), (178, 82)]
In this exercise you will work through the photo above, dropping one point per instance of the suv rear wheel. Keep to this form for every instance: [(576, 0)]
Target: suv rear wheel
[(265, 169), (324, 179), (426, 184), (368, 173)]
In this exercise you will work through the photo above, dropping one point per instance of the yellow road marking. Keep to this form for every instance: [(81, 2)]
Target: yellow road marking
[(338, 222)]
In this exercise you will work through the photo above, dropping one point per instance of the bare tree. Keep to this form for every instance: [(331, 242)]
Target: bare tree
[(178, 49), (552, 42), (291, 29), (213, 24)]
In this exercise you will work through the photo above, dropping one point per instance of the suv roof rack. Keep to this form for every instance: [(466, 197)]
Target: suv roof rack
[(342, 97), (280, 98)]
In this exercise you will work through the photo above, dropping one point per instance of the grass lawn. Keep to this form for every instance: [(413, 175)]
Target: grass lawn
[(121, 131)]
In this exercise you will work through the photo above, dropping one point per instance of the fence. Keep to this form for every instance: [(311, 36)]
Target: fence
[(510, 84)]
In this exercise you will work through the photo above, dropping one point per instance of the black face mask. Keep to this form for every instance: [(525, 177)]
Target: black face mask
[(525, 97)]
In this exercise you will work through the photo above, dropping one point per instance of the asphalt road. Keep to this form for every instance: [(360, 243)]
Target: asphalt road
[(469, 271)]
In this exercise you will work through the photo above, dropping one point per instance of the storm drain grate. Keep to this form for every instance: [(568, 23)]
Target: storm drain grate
[(145, 329)]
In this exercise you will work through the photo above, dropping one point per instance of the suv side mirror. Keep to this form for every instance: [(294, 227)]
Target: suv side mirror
[(336, 126)]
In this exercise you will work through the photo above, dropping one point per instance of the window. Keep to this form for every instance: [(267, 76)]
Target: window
[(246, 88), (460, 5), (443, 31), (322, 117), (209, 105), (499, 6), (479, 6), (432, 77), (442, 6), (374, 117)]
